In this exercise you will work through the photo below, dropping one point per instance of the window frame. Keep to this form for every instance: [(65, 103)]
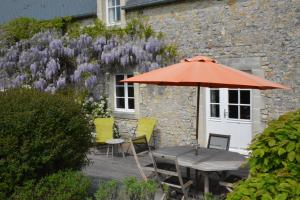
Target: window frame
[(214, 103), (126, 98), (115, 23), (239, 104)]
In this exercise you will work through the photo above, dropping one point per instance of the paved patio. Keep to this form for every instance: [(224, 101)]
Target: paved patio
[(103, 168)]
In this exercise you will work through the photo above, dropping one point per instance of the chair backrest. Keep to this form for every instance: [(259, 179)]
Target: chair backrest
[(172, 160), (104, 129), (145, 127), (139, 145), (218, 141)]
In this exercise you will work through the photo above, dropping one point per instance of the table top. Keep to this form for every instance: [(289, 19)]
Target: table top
[(115, 141), (206, 160)]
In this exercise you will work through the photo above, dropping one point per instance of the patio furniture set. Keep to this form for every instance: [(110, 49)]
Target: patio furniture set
[(166, 163)]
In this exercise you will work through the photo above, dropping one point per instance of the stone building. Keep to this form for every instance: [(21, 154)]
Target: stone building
[(261, 37)]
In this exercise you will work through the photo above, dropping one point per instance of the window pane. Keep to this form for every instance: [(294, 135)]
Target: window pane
[(233, 96), (117, 2), (214, 96), (245, 112), (245, 96), (233, 111), (214, 110), (118, 14), (131, 103), (111, 15), (118, 79), (130, 91), (120, 91), (120, 103), (111, 3)]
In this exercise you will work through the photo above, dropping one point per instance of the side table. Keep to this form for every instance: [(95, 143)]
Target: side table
[(111, 143)]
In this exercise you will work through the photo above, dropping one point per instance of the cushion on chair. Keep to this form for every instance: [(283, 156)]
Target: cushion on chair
[(104, 129), (145, 127)]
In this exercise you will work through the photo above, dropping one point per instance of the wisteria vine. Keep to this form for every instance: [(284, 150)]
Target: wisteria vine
[(49, 60)]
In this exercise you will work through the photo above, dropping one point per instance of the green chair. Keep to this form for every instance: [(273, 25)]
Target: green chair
[(104, 129), (145, 127)]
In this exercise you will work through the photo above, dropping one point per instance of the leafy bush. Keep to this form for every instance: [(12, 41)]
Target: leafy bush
[(66, 185), (107, 191), (131, 190), (274, 162), (24, 27), (136, 190), (40, 134)]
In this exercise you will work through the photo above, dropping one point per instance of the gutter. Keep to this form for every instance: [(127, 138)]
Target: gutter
[(146, 4)]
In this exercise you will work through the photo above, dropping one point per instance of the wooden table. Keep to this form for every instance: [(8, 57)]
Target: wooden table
[(207, 160)]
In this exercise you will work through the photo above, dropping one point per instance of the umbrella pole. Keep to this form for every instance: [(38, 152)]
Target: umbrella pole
[(197, 115)]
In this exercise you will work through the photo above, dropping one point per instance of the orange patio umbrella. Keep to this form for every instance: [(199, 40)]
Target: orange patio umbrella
[(201, 71)]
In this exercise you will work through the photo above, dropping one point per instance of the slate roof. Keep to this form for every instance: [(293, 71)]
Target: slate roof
[(46, 9), (135, 4)]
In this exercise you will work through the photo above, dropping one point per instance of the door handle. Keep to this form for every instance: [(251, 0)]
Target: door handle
[(225, 113)]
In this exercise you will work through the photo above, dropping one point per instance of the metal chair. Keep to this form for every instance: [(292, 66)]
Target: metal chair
[(174, 178), (139, 148), (217, 141)]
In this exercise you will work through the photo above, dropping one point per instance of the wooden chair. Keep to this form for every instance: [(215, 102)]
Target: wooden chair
[(217, 141), (139, 148), (174, 178)]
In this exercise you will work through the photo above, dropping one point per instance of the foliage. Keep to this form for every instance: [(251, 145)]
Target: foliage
[(107, 191), (136, 190), (24, 28), (278, 146), (274, 162), (63, 185), (40, 134), (132, 190), (51, 60)]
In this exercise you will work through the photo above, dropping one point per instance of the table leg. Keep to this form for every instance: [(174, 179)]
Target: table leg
[(107, 152), (206, 182), (112, 150), (121, 147)]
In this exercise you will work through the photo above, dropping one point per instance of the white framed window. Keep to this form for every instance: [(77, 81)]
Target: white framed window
[(124, 94), (113, 12), (215, 103), (239, 104)]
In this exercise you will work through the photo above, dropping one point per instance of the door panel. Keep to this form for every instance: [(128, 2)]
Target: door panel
[(229, 113)]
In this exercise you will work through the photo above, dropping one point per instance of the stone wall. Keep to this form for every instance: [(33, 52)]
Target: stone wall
[(234, 31)]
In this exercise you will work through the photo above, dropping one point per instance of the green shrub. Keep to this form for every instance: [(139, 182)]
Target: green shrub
[(40, 134), (66, 185), (274, 162), (131, 190), (278, 146), (139, 190), (107, 191)]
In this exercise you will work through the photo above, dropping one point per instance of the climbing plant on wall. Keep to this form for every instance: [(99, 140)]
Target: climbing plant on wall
[(52, 59)]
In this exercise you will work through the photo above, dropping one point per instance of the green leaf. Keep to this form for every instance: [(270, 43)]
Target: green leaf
[(281, 151), (290, 147), (282, 196), (271, 143), (292, 156), (298, 158)]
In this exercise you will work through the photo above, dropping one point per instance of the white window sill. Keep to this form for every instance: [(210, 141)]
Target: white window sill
[(113, 24), (124, 114)]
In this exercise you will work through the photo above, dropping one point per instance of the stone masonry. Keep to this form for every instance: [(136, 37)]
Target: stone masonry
[(234, 32)]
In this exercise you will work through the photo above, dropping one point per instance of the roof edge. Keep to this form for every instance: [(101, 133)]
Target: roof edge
[(148, 4)]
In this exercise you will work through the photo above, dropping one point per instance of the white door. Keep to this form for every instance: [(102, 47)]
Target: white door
[(229, 113)]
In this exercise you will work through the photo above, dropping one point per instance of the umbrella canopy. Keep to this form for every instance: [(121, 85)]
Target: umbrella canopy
[(201, 71), (205, 72)]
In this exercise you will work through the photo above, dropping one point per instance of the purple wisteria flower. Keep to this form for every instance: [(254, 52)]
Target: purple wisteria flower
[(40, 84), (90, 82), (52, 68)]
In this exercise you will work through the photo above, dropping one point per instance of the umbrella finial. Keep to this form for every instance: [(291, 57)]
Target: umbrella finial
[(199, 59)]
